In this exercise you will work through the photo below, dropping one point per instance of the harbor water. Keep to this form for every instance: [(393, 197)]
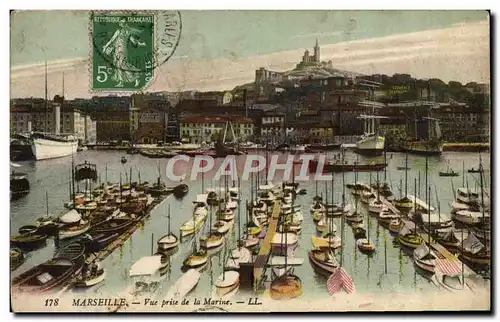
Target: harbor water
[(389, 268)]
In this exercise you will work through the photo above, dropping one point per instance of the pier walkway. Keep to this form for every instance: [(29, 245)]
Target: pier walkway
[(437, 247), (262, 258), (106, 251)]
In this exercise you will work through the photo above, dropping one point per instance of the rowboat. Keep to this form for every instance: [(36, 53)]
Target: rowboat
[(192, 225), (238, 255), (222, 227), (94, 242), (474, 251), (323, 261), (49, 276), (386, 217), (16, 258), (354, 217), (365, 246), (185, 284), (28, 242), (167, 242), (333, 242), (468, 217), (197, 260), (409, 238), (92, 280), (226, 284), (215, 239), (285, 287), (377, 206), (449, 283), (74, 230), (424, 258)]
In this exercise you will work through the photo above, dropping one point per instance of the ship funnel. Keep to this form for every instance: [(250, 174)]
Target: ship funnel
[(57, 119)]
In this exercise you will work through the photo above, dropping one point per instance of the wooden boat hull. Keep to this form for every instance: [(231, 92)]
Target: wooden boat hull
[(473, 259), (211, 242), (286, 288), (365, 246), (328, 168), (185, 284), (425, 266), (195, 261), (412, 242), (100, 241), (89, 282), (16, 258), (320, 267), (66, 233), (30, 242), (61, 270), (166, 246), (115, 226)]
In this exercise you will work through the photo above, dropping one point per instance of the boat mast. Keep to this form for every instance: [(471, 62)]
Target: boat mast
[(429, 216), (426, 175), (385, 162), (342, 219), (239, 230), (463, 172), (152, 243), (481, 182), (415, 199), (47, 202), (73, 180), (406, 175), (418, 191), (168, 216), (46, 102)]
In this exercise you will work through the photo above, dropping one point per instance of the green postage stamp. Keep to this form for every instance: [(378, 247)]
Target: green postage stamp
[(123, 49)]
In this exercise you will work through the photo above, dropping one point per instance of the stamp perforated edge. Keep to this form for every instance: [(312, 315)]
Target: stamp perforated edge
[(91, 51)]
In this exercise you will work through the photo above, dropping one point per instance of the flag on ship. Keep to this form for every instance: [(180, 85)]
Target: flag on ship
[(449, 267), (340, 280)]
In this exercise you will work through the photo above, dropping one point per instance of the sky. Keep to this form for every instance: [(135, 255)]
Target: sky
[(221, 49)]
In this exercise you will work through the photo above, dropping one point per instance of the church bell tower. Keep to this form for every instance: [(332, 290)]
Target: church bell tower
[(317, 58)]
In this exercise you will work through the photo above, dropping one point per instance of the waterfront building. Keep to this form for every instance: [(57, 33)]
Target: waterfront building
[(112, 115), (210, 128), (462, 123), (149, 118), (26, 116)]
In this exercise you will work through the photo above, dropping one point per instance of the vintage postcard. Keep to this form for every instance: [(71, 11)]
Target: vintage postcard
[(250, 161)]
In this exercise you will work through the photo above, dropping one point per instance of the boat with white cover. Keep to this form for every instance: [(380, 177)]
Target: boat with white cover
[(185, 284)]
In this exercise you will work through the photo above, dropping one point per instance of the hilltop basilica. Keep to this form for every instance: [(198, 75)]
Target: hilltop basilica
[(314, 59)]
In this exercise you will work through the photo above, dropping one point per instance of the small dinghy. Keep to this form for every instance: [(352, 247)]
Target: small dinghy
[(286, 287), (185, 284), (16, 258), (214, 240), (93, 276), (365, 246), (28, 242), (238, 255), (167, 243), (222, 227), (197, 260), (227, 284), (424, 258)]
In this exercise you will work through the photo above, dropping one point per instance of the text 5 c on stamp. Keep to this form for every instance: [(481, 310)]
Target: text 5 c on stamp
[(125, 47)]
